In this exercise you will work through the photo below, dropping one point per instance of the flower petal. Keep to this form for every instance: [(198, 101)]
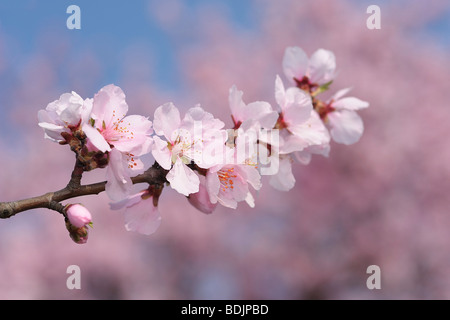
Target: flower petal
[(142, 217), (350, 103), (237, 105), (166, 120), (297, 108), (260, 112), (304, 156), (128, 202), (227, 200), (313, 131), (321, 67), (133, 135), (252, 175), (183, 179), (201, 199), (197, 115), (268, 120), (71, 114), (86, 110), (212, 185), (284, 180), (346, 126), (96, 138), (240, 187), (69, 110), (118, 185), (280, 92), (293, 143), (134, 166), (53, 131), (109, 106), (295, 63), (250, 200), (161, 153), (339, 94)]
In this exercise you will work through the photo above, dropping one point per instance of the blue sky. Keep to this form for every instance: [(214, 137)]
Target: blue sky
[(106, 27), (110, 26)]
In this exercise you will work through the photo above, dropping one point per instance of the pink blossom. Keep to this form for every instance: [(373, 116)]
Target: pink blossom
[(126, 138), (255, 123), (113, 128), (345, 124), (140, 212), (302, 133), (315, 71), (64, 114), (304, 127), (197, 139), (256, 114), (78, 215), (229, 183), (283, 180)]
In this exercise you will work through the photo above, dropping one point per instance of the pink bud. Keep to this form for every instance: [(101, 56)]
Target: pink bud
[(200, 200), (78, 215)]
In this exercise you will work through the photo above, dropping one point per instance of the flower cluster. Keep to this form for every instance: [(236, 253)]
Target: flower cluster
[(201, 159)]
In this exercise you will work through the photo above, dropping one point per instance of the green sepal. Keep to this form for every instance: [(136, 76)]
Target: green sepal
[(322, 88)]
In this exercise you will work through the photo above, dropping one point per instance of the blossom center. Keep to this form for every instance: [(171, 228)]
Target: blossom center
[(305, 84), (184, 148), (119, 130), (131, 161), (226, 177), (323, 109), (281, 124)]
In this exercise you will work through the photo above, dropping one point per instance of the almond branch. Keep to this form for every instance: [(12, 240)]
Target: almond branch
[(155, 175)]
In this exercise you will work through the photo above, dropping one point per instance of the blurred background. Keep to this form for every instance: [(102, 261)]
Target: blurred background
[(382, 201)]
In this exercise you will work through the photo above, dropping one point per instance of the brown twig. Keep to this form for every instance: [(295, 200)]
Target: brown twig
[(155, 175)]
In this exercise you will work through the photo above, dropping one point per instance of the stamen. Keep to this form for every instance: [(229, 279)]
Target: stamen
[(226, 177)]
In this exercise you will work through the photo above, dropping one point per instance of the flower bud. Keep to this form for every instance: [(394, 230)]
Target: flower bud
[(78, 215), (78, 235)]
